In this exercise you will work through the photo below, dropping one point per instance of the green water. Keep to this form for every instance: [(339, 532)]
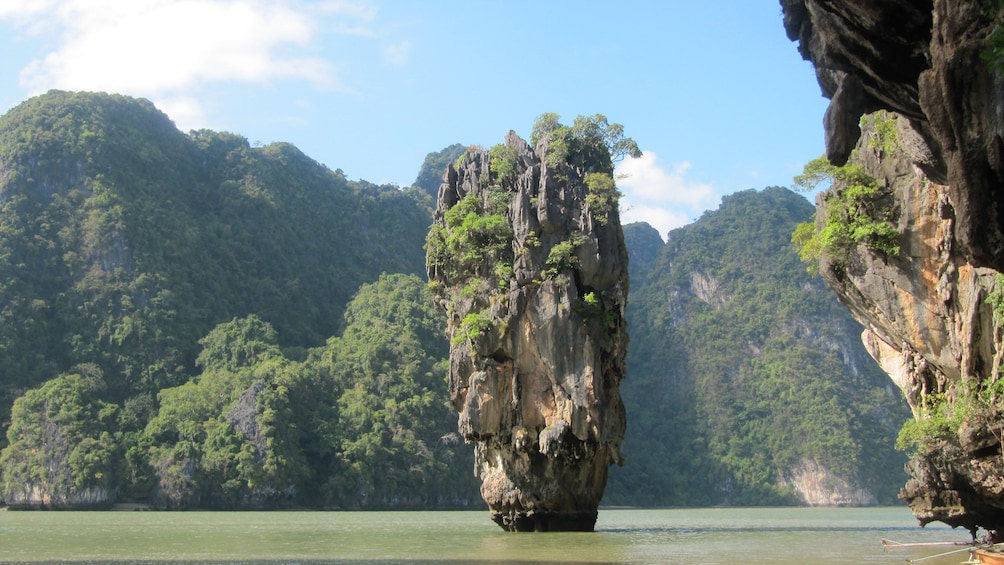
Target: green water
[(684, 536)]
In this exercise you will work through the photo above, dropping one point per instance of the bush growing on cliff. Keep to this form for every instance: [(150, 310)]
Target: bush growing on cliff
[(603, 195), (936, 422), (994, 54), (884, 136), (995, 298), (502, 162), (472, 326), (942, 417), (855, 213), (473, 233), (561, 257)]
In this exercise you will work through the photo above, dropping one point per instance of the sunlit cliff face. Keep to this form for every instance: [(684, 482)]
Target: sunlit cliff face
[(535, 296), (928, 309)]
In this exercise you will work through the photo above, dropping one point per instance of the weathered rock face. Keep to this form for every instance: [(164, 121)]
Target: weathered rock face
[(928, 320), (930, 327), (532, 274), (815, 485), (921, 59), (51, 497)]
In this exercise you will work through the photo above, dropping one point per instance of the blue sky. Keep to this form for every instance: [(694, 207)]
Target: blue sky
[(713, 92)]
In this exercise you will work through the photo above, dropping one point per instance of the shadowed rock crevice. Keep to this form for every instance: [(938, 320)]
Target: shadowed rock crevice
[(532, 275)]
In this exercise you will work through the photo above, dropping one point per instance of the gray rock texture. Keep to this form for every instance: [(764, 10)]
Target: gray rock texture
[(926, 310), (923, 60), (532, 275)]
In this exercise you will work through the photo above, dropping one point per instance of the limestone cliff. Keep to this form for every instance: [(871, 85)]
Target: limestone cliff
[(52, 498), (938, 163), (527, 258), (923, 60), (815, 485), (749, 383)]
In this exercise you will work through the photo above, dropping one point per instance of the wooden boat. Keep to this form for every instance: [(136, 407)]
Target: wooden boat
[(987, 556)]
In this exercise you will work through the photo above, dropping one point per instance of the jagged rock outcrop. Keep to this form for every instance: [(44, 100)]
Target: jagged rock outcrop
[(930, 327), (528, 261), (929, 322), (923, 60)]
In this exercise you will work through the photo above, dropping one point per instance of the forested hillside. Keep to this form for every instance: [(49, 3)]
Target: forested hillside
[(747, 379), (190, 321), (124, 241)]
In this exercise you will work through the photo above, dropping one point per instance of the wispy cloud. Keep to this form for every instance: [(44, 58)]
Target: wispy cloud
[(167, 49), (363, 11), (397, 54), (666, 199)]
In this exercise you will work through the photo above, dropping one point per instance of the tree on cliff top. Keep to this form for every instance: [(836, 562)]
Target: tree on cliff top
[(856, 210), (594, 131)]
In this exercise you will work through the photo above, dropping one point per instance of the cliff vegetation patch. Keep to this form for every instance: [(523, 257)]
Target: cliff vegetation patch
[(855, 211)]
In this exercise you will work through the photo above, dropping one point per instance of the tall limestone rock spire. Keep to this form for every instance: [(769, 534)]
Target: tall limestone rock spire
[(527, 259)]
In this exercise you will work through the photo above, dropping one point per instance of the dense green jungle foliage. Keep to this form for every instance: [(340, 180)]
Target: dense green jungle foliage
[(742, 365), (124, 241), (168, 301), (362, 422)]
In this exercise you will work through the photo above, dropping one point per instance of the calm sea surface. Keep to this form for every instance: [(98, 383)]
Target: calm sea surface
[(684, 536)]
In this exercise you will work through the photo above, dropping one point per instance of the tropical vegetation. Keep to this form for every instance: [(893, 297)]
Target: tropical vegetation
[(743, 365), (190, 321)]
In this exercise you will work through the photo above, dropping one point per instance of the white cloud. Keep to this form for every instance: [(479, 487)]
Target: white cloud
[(185, 111), (167, 50), (664, 199), (358, 10), (397, 53)]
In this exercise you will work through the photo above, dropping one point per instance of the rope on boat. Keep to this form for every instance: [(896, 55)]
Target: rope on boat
[(889, 543), (969, 546), (942, 554)]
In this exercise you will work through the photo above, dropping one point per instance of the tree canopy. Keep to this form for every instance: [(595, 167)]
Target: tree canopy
[(594, 131)]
